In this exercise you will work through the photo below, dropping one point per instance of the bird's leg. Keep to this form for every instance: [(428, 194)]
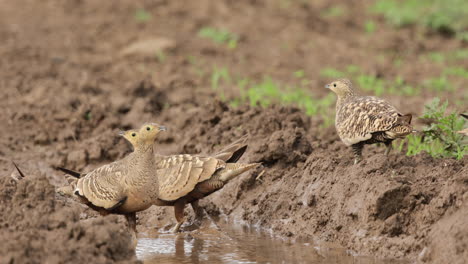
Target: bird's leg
[(131, 221), (179, 215), (198, 212), (357, 151), (388, 144)]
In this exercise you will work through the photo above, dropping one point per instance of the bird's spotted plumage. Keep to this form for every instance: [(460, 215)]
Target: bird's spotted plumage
[(366, 119)]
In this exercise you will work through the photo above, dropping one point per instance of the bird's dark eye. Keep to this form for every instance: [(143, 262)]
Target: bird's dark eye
[(334, 85), (133, 134), (148, 128)]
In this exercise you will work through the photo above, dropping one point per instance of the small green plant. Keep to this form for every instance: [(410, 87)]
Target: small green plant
[(370, 27), (160, 56), (299, 74), (436, 56), (87, 115), (440, 138), (456, 71), (218, 75), (219, 36), (334, 11), (269, 91), (398, 62), (371, 83), (196, 65), (398, 13), (439, 84), (463, 36), (445, 16), (400, 87), (448, 16), (141, 15), (353, 69), (461, 54)]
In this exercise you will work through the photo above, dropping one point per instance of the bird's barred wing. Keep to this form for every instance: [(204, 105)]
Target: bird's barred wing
[(179, 174), (101, 187), (357, 120)]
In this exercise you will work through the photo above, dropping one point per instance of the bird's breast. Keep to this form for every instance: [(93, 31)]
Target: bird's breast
[(136, 203)]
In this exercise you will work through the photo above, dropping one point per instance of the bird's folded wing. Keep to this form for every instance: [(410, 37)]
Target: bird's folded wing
[(179, 174), (102, 187), (357, 120)]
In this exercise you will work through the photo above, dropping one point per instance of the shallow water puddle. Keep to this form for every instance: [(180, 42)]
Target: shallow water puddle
[(232, 243)]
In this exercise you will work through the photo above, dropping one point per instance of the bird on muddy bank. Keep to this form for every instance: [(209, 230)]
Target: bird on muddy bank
[(185, 178), (122, 187), (464, 131), (362, 120)]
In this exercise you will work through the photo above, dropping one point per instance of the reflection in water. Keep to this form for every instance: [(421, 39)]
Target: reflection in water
[(238, 244)]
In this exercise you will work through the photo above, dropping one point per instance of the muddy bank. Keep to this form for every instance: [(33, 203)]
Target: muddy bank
[(392, 206), (308, 187), (37, 228), (448, 239)]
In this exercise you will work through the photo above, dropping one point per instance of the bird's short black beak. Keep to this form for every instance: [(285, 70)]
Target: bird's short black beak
[(162, 128), (121, 133), (327, 86)]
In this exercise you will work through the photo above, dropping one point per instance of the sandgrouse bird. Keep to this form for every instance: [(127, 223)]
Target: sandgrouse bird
[(125, 186), (464, 131), (187, 178), (364, 120)]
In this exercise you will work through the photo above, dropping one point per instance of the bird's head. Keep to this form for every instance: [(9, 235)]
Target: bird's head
[(341, 87), (146, 135), (131, 136)]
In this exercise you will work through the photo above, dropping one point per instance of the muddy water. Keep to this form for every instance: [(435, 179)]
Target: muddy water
[(233, 243)]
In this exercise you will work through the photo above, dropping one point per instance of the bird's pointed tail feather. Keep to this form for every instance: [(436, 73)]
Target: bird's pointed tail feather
[(234, 169)]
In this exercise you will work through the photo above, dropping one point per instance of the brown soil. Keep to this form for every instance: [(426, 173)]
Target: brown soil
[(66, 89), (37, 228)]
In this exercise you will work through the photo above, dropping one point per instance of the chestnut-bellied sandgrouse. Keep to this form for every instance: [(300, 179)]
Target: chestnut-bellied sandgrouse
[(125, 186), (187, 178)]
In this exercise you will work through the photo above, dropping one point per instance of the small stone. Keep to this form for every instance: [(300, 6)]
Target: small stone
[(149, 47)]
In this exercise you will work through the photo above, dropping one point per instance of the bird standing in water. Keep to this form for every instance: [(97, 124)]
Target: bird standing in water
[(122, 187)]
